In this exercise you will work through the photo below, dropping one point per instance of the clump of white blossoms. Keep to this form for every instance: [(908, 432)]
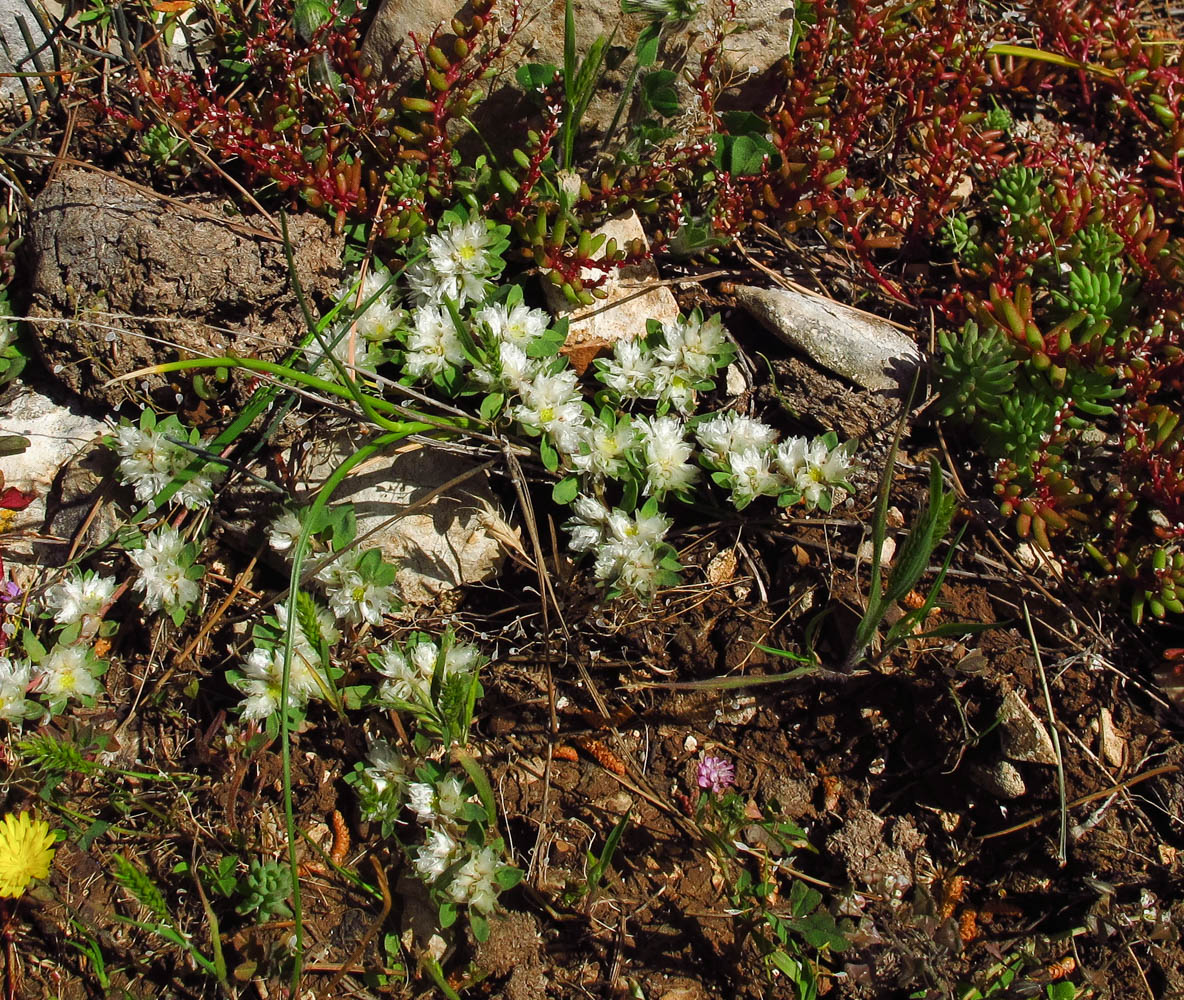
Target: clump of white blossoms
[(459, 261), (381, 784), (744, 457), (629, 548), (433, 346), (671, 364), (70, 673), (412, 671), (375, 320), (260, 679), (150, 459), (359, 586), (168, 576), (16, 677), (80, 598)]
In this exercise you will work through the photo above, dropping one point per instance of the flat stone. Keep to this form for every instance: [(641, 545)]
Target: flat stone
[(1023, 735), (449, 542), (122, 279), (633, 295), (59, 435), (10, 10), (862, 349)]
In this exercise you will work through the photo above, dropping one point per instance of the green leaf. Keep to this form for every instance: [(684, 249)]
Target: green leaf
[(532, 76), (491, 406), (548, 454), (13, 444), (659, 92), (508, 877), (647, 45), (566, 490), (742, 155), (479, 926)]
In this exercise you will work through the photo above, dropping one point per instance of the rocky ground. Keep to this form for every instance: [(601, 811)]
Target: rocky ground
[(985, 813)]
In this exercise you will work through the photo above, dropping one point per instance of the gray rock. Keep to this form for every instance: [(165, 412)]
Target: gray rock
[(122, 279), (59, 436), (10, 10), (1023, 735), (449, 541), (859, 347), (758, 39)]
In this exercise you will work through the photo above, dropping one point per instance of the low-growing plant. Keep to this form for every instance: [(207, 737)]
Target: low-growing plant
[(793, 933)]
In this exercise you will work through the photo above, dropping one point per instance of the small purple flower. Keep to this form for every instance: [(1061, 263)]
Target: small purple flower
[(716, 773)]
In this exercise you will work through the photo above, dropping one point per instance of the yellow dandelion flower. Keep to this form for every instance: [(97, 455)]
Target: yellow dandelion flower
[(26, 850)]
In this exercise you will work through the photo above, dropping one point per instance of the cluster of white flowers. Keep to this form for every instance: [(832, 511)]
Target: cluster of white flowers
[(629, 548), (166, 571), (16, 677), (408, 671), (361, 342), (358, 583), (749, 461), (66, 673), (356, 587), (458, 263), (671, 365), (149, 460), (438, 802), (80, 598), (261, 679)]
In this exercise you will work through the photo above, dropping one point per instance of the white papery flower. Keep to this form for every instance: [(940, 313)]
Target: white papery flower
[(381, 319), (149, 461), (162, 576), (666, 455), (354, 597), (588, 526), (603, 448), (727, 433), (284, 531), (66, 674), (692, 347), (385, 778), (473, 882), (630, 371), (519, 326), (79, 597), (433, 858), (824, 468), (421, 800), (509, 371), (450, 797), (751, 475), (15, 677), (457, 265), (791, 457), (262, 682), (552, 403), (433, 344)]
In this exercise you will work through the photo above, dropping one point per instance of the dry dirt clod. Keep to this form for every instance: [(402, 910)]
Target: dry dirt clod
[(144, 280), (1024, 735), (1001, 779)]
